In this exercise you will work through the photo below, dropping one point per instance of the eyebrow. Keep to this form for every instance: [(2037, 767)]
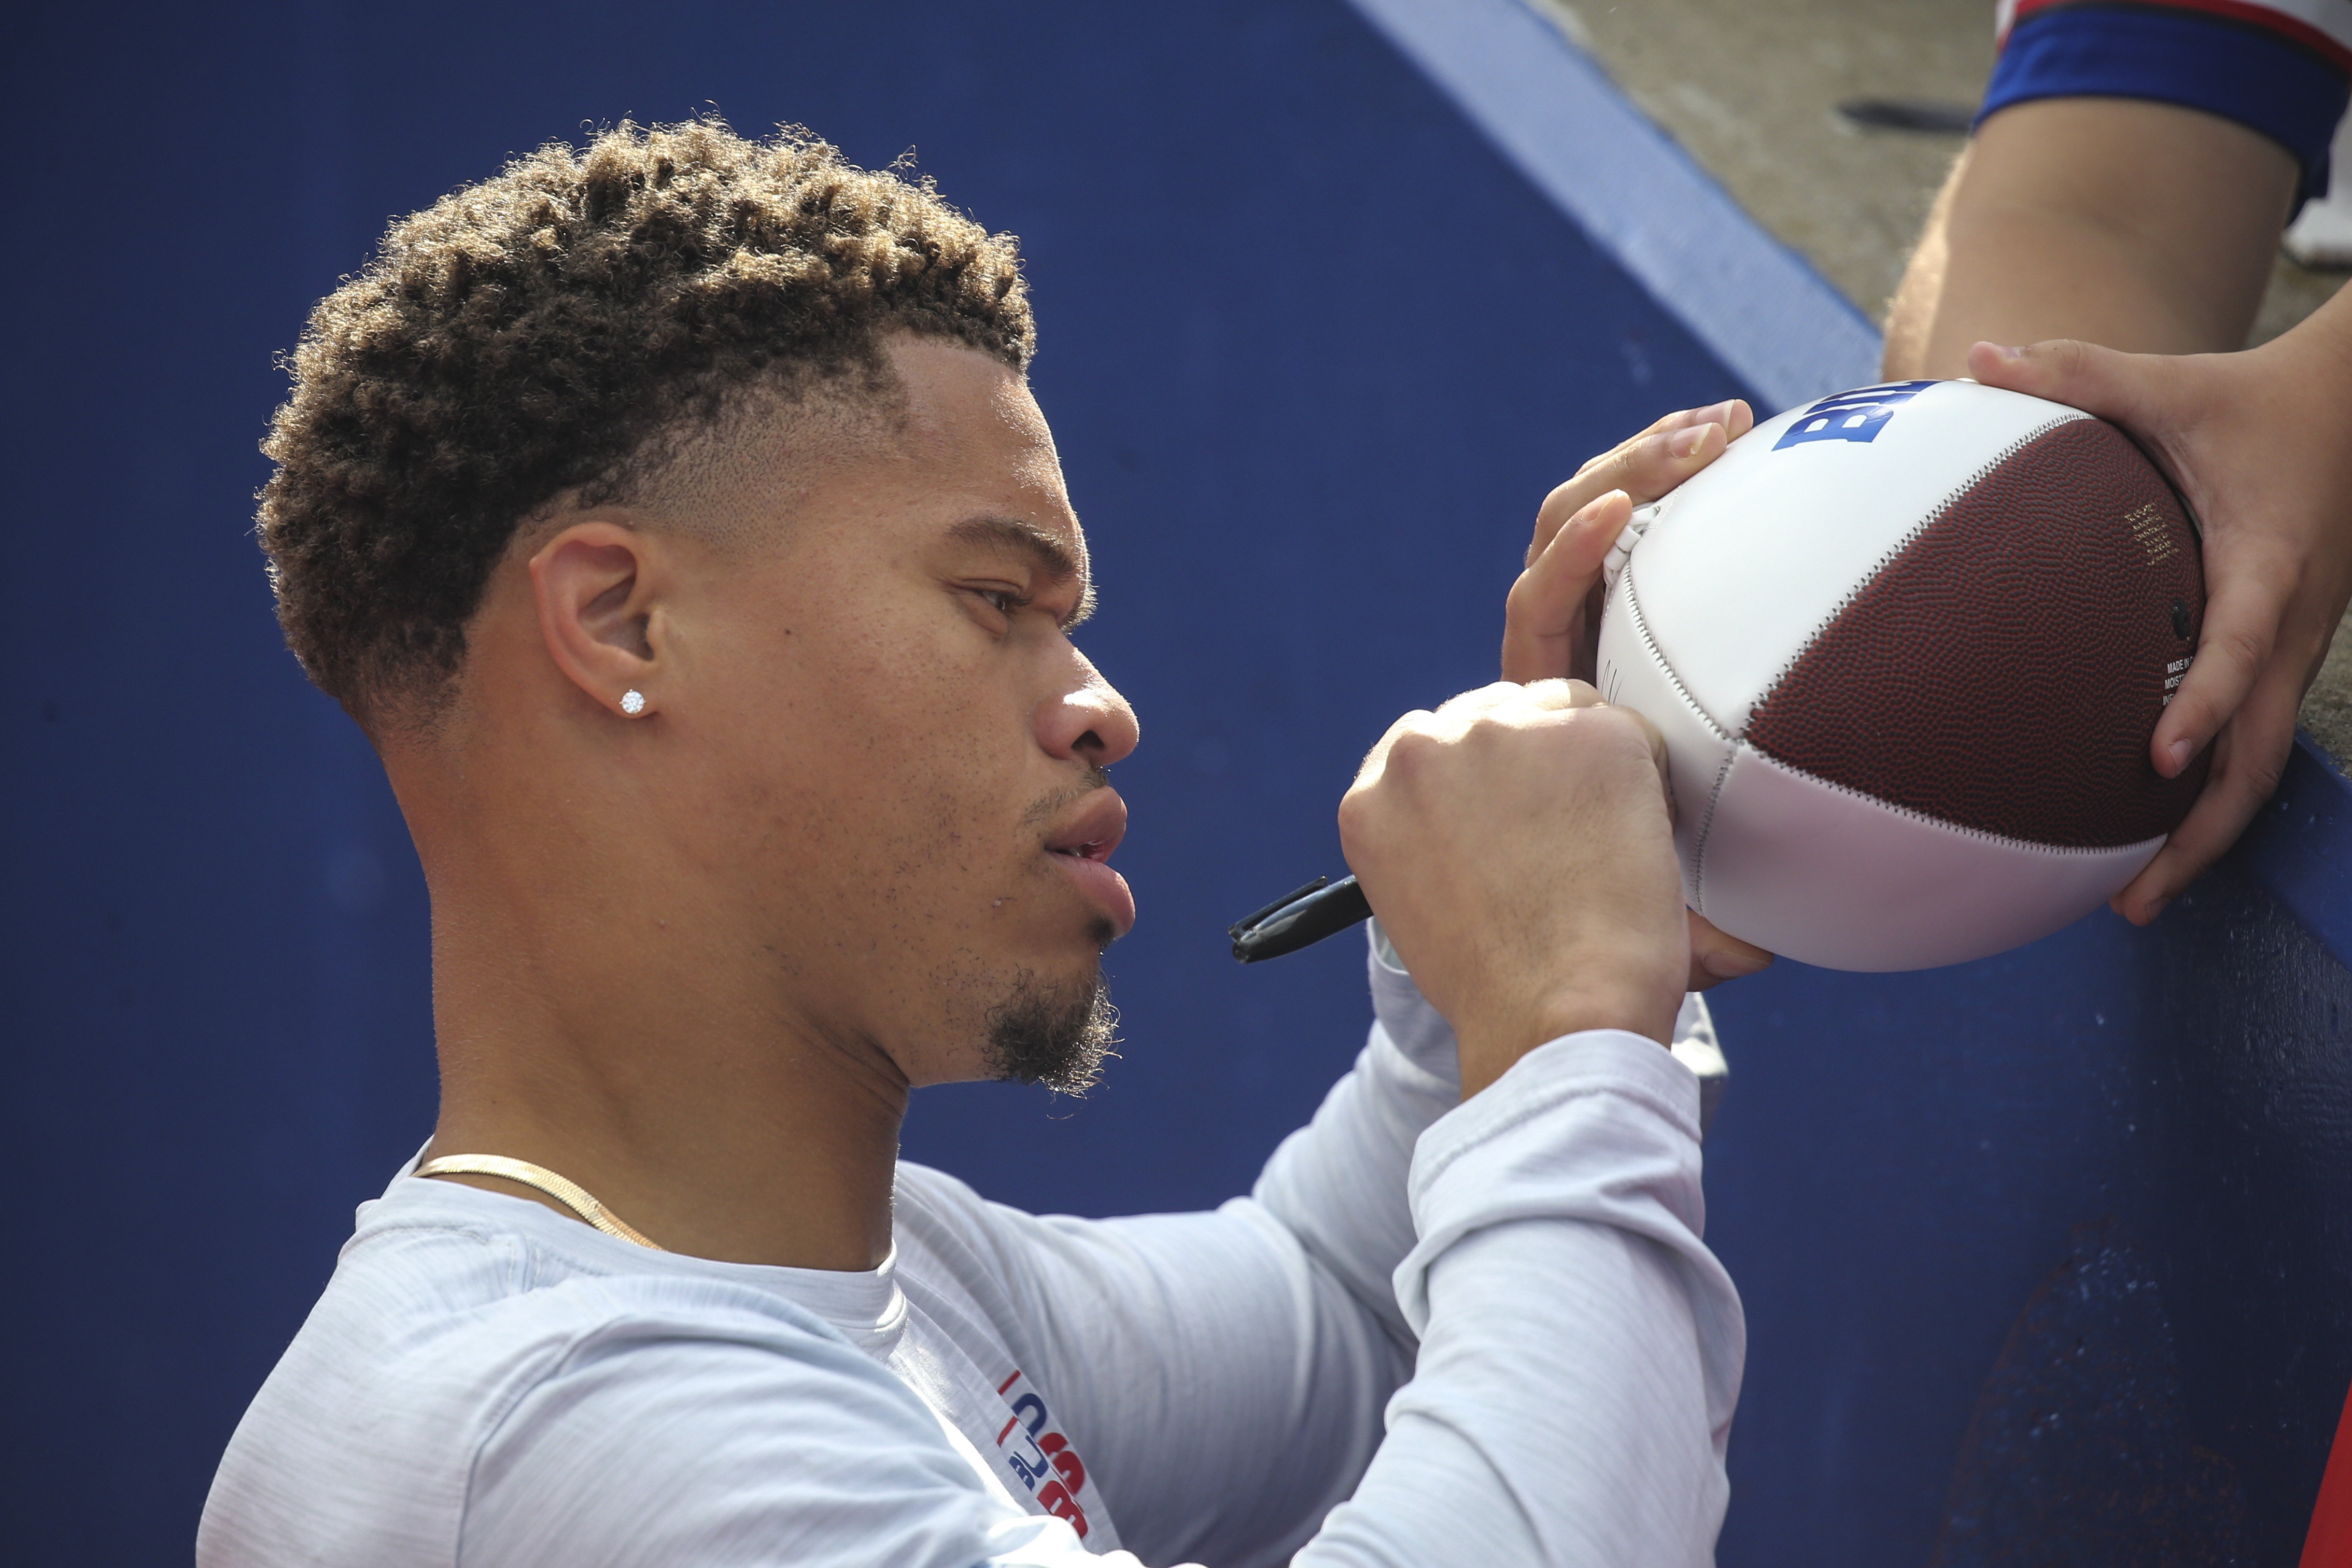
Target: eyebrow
[(1047, 550)]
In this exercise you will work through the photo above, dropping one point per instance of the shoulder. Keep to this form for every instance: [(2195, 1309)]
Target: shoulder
[(715, 1435), (945, 1230), (460, 1294), (449, 1358), (962, 1255)]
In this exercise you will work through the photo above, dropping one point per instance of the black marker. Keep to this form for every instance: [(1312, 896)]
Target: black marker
[(1299, 919)]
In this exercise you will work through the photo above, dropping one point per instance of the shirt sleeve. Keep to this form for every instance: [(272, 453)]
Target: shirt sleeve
[(1224, 1373), (1230, 1375), (1580, 1348), (2278, 69)]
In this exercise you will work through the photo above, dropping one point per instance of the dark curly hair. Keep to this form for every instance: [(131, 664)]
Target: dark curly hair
[(554, 329)]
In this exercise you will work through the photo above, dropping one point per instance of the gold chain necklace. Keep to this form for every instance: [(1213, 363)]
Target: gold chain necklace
[(568, 1193)]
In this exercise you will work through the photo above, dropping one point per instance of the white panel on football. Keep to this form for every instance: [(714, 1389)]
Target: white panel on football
[(1760, 875), (1760, 549), (1630, 674)]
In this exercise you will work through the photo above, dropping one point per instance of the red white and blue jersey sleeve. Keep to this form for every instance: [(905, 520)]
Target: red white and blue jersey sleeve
[(2280, 67)]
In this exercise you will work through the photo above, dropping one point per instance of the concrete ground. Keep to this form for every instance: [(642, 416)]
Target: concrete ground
[(1751, 89)]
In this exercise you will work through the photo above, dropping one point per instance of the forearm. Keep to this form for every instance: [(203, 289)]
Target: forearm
[(1580, 1349), (2136, 226), (1339, 1184), (1227, 1373), (1562, 1427)]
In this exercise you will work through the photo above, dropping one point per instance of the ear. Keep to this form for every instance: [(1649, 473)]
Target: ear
[(596, 583)]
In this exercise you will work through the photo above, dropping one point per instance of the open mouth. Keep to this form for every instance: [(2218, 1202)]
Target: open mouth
[(1094, 831), (1083, 843)]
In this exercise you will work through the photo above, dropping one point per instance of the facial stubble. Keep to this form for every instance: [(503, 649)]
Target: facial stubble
[(1053, 1033)]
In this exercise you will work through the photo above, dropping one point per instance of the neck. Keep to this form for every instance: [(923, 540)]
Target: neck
[(592, 1036)]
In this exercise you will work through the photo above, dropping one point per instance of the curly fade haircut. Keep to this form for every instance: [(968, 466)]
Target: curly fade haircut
[(553, 330)]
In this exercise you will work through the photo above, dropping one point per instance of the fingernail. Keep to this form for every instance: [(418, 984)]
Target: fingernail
[(2179, 752), (1687, 442), (2008, 353), (1598, 504), (1730, 963)]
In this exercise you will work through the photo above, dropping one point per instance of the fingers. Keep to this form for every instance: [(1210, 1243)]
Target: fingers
[(2098, 381), (1733, 413), (1551, 619), (1557, 694), (1723, 413), (1658, 757), (1455, 715), (1544, 618), (1459, 712), (2248, 761), (1375, 761), (1717, 956), (1646, 467), (2240, 631), (1561, 694), (2246, 605)]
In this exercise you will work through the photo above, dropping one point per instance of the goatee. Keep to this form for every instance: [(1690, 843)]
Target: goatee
[(1050, 1034)]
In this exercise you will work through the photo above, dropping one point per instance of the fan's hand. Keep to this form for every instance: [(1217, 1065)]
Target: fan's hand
[(2256, 442), (1551, 622)]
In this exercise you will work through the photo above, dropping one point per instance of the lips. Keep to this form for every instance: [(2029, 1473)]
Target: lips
[(1081, 844)]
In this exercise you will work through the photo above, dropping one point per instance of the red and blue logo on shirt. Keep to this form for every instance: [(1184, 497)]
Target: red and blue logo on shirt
[(1042, 1460)]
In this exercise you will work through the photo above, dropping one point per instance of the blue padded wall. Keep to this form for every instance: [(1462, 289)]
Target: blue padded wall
[(2048, 1258), (1313, 354)]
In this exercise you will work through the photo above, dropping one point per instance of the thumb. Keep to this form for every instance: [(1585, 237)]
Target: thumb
[(2112, 385), (1717, 955)]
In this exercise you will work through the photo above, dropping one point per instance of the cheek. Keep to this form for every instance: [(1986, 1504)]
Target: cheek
[(955, 767), (869, 756)]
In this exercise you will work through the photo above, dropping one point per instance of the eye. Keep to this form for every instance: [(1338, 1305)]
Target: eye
[(1006, 601)]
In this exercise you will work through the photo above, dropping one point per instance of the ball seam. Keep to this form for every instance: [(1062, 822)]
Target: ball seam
[(1930, 818), (1730, 741), (1910, 538)]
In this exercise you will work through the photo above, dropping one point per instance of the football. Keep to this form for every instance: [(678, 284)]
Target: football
[(1907, 647)]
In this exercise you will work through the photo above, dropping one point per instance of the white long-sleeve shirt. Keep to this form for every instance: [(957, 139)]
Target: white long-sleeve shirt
[(1433, 1335)]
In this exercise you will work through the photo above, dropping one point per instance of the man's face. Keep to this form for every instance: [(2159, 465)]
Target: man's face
[(896, 754)]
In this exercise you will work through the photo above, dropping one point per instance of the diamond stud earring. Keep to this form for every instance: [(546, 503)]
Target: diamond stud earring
[(633, 702)]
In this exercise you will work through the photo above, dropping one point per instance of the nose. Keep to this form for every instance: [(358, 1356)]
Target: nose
[(1090, 722)]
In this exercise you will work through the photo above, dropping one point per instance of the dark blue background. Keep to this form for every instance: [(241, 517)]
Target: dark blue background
[(1313, 354)]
